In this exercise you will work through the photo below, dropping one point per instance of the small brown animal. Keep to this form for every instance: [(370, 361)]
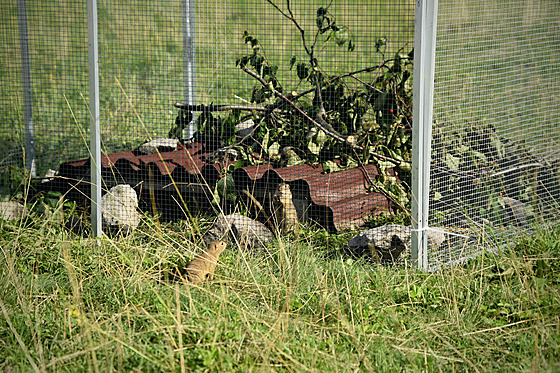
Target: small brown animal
[(285, 214), (204, 265)]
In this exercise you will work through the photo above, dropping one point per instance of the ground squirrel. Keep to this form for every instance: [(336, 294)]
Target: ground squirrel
[(204, 265), (285, 215)]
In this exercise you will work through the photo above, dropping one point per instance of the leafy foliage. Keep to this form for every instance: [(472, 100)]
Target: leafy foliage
[(369, 110), (474, 160)]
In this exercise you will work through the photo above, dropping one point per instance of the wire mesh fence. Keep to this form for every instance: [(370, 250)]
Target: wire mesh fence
[(495, 158), (44, 60), (291, 112), (273, 99)]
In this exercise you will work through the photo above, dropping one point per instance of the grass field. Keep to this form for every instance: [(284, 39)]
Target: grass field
[(74, 304)]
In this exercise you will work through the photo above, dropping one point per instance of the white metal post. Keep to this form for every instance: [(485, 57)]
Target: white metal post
[(189, 59), (423, 93), (95, 141), (27, 93)]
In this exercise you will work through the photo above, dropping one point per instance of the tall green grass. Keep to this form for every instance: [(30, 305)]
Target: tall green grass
[(74, 304)]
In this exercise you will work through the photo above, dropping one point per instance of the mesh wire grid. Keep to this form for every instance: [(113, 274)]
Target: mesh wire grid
[(225, 35), (142, 73), (57, 45), (495, 144), (496, 139)]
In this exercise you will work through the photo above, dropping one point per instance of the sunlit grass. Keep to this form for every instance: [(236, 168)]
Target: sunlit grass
[(69, 303)]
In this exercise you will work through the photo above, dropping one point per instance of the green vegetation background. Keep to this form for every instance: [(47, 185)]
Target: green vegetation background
[(302, 306)]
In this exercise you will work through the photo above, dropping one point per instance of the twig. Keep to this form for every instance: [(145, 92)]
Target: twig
[(291, 17), (211, 108), (375, 186), (369, 69), (314, 66)]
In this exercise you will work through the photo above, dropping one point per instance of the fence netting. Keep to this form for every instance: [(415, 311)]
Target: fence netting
[(256, 101), (496, 139), (54, 57), (265, 104)]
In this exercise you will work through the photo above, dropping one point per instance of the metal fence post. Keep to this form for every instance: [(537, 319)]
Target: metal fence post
[(95, 141), (27, 93), (423, 93), (189, 59)]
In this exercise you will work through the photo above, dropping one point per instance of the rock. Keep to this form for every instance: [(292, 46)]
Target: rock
[(244, 128), (49, 176), (248, 232), (120, 209), (516, 211), (12, 210), (435, 239), (223, 155), (390, 243), (161, 145)]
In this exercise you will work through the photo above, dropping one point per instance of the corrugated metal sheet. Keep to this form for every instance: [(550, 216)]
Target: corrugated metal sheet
[(334, 200)]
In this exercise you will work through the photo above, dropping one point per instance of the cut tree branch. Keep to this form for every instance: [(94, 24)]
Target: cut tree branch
[(211, 108), (320, 122)]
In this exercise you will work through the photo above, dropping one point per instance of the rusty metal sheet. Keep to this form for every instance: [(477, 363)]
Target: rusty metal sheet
[(336, 200)]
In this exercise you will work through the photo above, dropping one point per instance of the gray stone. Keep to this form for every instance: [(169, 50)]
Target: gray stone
[(390, 243), (120, 209), (12, 210), (247, 232), (244, 128), (49, 176), (160, 145)]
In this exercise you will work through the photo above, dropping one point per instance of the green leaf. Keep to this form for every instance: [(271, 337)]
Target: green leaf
[(321, 137), (452, 162), (292, 61), (266, 139), (314, 148), (302, 70), (379, 43), (391, 153), (274, 149), (215, 196), (323, 22), (225, 187), (406, 166), (330, 166), (383, 165), (478, 155), (341, 37)]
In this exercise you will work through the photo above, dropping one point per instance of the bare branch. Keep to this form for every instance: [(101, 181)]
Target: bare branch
[(211, 108)]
